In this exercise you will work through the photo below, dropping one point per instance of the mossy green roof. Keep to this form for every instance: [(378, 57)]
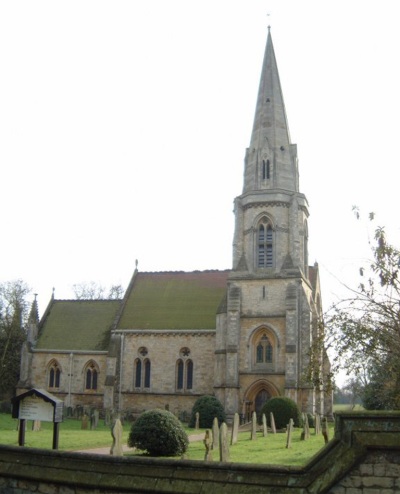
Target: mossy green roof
[(77, 325), (173, 300)]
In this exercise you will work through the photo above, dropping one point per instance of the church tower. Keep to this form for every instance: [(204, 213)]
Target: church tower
[(266, 327)]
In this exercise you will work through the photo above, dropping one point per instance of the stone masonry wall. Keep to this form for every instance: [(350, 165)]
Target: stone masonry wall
[(362, 458)]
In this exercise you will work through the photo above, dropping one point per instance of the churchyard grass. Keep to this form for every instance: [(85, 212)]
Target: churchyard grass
[(71, 437), (265, 450)]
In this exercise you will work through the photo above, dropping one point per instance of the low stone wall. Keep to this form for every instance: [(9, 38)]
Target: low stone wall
[(363, 457)]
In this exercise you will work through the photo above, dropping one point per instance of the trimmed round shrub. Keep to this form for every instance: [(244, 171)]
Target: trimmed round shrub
[(208, 407), (159, 433), (283, 409)]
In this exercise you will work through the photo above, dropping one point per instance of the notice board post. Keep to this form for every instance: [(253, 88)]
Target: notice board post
[(37, 404)]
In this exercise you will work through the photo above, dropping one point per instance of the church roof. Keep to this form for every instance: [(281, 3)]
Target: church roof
[(173, 300), (77, 325)]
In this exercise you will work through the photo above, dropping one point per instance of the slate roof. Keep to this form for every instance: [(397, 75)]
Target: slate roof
[(77, 325), (173, 300)]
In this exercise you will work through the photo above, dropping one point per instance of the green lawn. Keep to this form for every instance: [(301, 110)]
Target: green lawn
[(268, 450)]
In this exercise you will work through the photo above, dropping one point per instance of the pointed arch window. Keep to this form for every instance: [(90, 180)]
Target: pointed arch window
[(91, 376), (184, 371), (265, 245), (142, 370), (264, 350), (54, 375), (138, 373)]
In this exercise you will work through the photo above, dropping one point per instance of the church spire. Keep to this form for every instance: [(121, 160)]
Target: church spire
[(271, 160)]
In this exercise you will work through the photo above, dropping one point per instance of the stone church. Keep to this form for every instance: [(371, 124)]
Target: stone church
[(243, 335)]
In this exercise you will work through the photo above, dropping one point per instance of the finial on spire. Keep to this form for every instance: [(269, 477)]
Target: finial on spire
[(136, 264)]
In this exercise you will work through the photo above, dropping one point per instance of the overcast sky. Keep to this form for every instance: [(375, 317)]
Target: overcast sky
[(123, 128)]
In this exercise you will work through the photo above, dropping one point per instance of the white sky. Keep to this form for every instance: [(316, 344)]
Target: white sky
[(123, 128)]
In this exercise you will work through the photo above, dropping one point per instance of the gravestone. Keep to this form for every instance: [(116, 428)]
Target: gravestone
[(94, 419), (197, 424), (215, 434), (253, 436), (264, 425), (325, 430), (85, 420), (223, 443), (271, 416), (208, 444), (116, 432), (36, 425), (235, 429), (317, 426), (289, 434)]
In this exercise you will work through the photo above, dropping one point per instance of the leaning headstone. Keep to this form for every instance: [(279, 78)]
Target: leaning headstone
[(253, 426), (223, 443), (215, 433), (208, 445), (197, 424), (116, 432), (235, 429), (264, 425), (85, 420), (325, 430), (289, 434), (271, 416)]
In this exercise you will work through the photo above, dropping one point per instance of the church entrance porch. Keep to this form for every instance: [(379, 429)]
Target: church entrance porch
[(256, 396)]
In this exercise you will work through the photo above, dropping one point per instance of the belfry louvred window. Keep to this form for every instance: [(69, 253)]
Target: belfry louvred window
[(265, 251)]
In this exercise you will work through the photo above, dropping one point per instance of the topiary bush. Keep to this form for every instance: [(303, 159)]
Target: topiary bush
[(283, 409), (159, 433), (208, 408)]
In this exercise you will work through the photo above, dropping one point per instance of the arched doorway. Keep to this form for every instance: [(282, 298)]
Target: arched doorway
[(255, 396), (261, 397)]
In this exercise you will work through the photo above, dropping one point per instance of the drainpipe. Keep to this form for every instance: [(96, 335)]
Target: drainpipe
[(71, 356), (120, 374)]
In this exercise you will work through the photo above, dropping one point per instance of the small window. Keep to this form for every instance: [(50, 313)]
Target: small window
[(264, 351), (184, 371), (138, 373), (54, 375), (147, 370), (142, 371), (91, 377), (179, 375), (189, 374)]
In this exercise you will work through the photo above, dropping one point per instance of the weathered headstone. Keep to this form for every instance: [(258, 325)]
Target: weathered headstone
[(271, 416), (208, 445), (116, 432), (264, 425), (289, 434), (317, 426), (306, 428), (85, 419), (325, 430), (36, 425), (215, 434), (197, 424), (223, 443), (253, 436), (94, 419), (107, 417), (235, 429)]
